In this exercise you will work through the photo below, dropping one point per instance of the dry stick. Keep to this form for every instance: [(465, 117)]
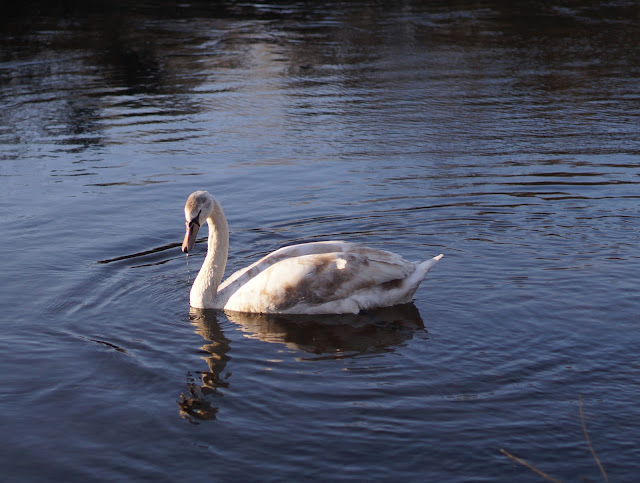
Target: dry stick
[(586, 436), (531, 467)]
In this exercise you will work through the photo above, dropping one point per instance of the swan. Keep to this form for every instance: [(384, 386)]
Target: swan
[(330, 277)]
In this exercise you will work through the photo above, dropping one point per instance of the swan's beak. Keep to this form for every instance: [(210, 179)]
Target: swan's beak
[(190, 237)]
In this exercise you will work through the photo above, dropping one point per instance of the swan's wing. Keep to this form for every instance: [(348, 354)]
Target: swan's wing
[(315, 279), (241, 277)]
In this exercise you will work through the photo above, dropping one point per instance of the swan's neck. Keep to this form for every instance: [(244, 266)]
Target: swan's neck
[(205, 287)]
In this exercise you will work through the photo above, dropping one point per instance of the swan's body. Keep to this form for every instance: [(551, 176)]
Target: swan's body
[(330, 277)]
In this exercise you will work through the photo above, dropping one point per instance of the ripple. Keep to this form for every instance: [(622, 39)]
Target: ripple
[(504, 137)]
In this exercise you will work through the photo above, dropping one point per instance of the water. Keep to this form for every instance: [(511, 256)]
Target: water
[(507, 139)]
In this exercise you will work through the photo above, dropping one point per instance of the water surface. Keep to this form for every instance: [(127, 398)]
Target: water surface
[(507, 139)]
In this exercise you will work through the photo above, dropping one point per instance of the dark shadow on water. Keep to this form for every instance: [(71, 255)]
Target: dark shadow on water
[(324, 336)]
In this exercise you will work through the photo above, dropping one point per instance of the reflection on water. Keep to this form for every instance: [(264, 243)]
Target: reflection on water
[(195, 404), (505, 132), (334, 336), (120, 76), (325, 336)]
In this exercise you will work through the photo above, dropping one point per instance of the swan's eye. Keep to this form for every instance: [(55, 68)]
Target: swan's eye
[(195, 221)]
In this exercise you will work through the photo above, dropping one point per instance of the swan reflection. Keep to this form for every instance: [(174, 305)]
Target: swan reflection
[(334, 335), (195, 405), (324, 336)]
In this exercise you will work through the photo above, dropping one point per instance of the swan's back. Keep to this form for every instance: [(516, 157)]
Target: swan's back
[(322, 277)]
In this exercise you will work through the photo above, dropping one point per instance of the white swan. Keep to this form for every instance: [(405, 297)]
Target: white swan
[(332, 277)]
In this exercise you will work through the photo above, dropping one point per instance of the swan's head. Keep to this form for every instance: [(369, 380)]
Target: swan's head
[(198, 208)]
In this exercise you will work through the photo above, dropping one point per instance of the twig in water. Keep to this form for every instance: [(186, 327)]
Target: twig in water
[(586, 436), (531, 467)]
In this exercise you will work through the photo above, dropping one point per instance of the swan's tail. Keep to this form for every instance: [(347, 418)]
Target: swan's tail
[(424, 267), (411, 284), (421, 271)]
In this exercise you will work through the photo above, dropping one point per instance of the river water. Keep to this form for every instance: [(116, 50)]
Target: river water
[(506, 138)]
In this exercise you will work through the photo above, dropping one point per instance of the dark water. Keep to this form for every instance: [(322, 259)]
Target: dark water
[(506, 138)]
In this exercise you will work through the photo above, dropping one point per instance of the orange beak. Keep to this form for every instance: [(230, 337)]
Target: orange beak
[(190, 236)]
